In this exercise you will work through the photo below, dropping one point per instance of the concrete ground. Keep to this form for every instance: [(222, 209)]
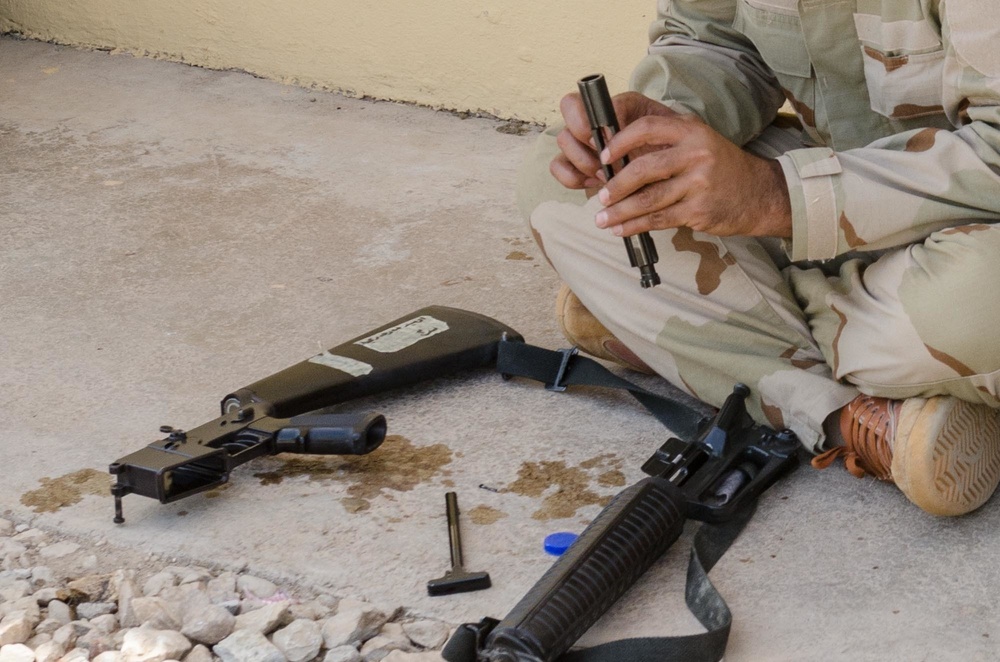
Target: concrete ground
[(169, 234)]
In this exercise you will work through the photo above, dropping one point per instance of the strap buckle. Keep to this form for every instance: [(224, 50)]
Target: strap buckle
[(567, 354)]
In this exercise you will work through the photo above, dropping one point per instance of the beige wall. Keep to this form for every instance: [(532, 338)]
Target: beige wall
[(511, 58)]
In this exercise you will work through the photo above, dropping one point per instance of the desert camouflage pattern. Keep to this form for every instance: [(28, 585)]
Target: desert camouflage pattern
[(889, 283)]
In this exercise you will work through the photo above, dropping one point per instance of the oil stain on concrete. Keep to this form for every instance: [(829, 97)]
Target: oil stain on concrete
[(57, 493), (483, 515), (396, 466), (565, 489)]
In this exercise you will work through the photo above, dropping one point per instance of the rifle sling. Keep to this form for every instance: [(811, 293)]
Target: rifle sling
[(558, 369)]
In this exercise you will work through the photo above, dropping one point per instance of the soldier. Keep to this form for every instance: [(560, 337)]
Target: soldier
[(841, 267)]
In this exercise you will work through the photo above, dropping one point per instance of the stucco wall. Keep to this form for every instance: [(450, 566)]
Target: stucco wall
[(511, 58)]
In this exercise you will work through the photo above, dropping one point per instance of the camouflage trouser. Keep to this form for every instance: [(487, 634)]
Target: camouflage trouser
[(806, 337)]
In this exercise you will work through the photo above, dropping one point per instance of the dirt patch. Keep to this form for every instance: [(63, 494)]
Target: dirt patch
[(57, 493)]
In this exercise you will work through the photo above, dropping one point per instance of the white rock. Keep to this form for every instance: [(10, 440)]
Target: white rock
[(91, 610), (149, 645), (106, 623), (34, 536), (16, 653), (158, 582), (193, 574), (200, 653), (15, 629), (42, 576), (264, 620), (342, 654), (50, 651), (402, 656), (208, 624), (247, 646), (186, 596), (312, 610), (60, 611), (37, 640), (381, 645), (426, 634), (127, 590), (6, 527), (255, 587), (300, 641), (222, 588), (354, 623), (157, 613), (58, 550), (65, 636), (75, 655), (48, 626), (10, 547), (14, 589), (109, 656)]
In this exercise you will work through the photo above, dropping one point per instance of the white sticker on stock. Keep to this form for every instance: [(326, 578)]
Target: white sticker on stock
[(344, 364), (403, 335)]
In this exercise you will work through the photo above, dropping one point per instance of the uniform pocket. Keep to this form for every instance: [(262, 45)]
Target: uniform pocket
[(775, 29), (904, 63)]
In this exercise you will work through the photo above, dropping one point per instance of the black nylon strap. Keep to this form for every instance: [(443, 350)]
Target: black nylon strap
[(702, 598), (523, 360), (562, 368)]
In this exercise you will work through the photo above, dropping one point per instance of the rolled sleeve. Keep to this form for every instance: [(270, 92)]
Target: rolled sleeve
[(812, 175)]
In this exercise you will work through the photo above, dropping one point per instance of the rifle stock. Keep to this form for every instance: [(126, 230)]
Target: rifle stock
[(267, 416)]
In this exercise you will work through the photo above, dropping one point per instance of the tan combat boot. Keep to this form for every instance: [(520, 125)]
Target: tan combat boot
[(942, 452), (583, 330)]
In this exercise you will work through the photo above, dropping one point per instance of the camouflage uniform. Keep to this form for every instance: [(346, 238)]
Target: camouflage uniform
[(894, 178)]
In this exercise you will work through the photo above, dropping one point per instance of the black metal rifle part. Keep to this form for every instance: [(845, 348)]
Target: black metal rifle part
[(715, 477), (604, 124), (268, 416)]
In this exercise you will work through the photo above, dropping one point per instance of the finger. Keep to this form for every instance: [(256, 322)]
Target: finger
[(641, 172), (581, 156), (674, 216), (566, 174), (649, 202), (575, 117), (651, 130)]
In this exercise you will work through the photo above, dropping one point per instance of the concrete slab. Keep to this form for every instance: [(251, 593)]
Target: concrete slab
[(169, 234)]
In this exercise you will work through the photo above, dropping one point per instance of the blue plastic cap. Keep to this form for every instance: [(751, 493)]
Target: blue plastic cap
[(557, 543)]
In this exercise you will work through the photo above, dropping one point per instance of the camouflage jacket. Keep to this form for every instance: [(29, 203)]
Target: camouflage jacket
[(899, 99)]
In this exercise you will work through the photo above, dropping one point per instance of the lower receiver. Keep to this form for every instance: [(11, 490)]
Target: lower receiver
[(269, 415), (711, 479)]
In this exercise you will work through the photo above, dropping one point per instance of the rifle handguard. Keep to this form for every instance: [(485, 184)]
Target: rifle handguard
[(635, 529)]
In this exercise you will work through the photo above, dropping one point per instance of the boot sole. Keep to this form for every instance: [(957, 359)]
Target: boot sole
[(946, 454)]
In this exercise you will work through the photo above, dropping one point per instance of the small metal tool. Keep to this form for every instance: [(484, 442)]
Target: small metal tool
[(458, 579)]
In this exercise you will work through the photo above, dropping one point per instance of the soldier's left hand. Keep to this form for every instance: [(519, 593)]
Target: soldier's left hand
[(684, 173)]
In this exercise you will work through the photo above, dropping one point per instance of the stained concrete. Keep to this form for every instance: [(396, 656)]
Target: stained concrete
[(169, 234)]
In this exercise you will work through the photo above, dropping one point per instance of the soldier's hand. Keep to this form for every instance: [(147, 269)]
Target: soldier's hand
[(684, 173), (577, 165)]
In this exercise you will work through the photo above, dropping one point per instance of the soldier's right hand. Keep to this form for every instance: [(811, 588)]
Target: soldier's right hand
[(577, 166)]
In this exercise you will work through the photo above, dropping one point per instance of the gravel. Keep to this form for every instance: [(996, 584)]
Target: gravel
[(55, 606)]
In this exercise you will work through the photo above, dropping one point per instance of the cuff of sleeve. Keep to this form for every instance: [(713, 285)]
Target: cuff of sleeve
[(811, 175)]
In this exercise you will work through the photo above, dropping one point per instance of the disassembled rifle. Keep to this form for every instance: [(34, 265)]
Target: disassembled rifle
[(716, 477)]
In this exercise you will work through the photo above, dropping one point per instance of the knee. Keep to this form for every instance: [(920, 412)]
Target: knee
[(950, 295), (535, 183)]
